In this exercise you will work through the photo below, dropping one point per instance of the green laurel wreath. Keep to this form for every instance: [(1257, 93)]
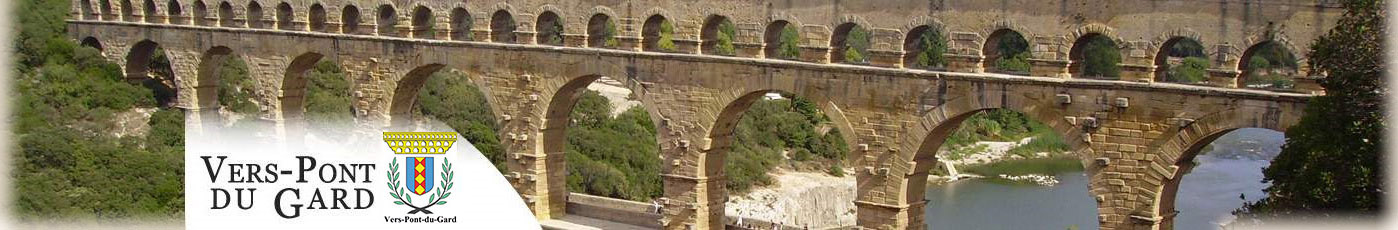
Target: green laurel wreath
[(438, 198)]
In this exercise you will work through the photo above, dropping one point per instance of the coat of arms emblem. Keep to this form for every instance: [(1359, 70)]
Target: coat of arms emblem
[(418, 177)]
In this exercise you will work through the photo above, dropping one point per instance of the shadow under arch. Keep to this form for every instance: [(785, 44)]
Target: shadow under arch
[(206, 87), (294, 92), (149, 66), (400, 109), (92, 42)]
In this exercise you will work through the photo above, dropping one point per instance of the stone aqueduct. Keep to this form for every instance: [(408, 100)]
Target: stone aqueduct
[(1135, 136)]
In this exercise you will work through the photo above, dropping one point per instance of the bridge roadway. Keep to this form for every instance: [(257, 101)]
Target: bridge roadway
[(1135, 136)]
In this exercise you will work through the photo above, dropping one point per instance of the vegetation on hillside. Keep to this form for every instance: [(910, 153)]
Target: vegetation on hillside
[(1002, 125), (448, 96), (1331, 160), (1271, 66), (723, 39), (1193, 66), (67, 162)]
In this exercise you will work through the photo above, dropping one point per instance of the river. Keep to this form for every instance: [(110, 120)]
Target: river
[(1206, 196)]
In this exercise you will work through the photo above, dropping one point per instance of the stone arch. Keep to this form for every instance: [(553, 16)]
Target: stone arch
[(139, 65), (201, 13), (912, 45), (85, 10), (1177, 153), (227, 15), (936, 125), (316, 17), (841, 35), (1162, 56), (105, 8), (651, 30), (422, 22), (91, 42), (286, 16), (545, 35), (149, 12), (136, 59), (502, 27), (128, 11), (349, 19), (405, 94), (175, 11), (1243, 60), (387, 19), (1076, 58), (991, 48), (772, 38), (207, 83), (708, 34), (255, 19), (737, 102), (460, 24), (293, 88), (597, 34)]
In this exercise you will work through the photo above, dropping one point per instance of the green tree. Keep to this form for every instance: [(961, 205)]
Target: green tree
[(666, 40), (934, 46), (789, 47), (1100, 58), (856, 45), (1331, 160), (235, 89), (1013, 53), (724, 38), (329, 104), (1193, 69), (612, 156), (449, 96)]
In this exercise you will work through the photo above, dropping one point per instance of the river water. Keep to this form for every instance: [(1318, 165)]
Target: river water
[(1207, 195)]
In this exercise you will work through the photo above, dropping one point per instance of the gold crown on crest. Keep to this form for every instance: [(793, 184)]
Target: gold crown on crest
[(419, 142)]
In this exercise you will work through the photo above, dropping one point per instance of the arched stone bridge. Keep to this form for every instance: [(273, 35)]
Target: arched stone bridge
[(1135, 136)]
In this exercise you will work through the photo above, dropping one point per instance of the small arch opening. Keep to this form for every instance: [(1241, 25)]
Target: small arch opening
[(502, 27), (1095, 56), (658, 34), (850, 44), (286, 17), (106, 10), (255, 18), (387, 20), (349, 20), (1181, 60), (925, 48), (460, 24), (128, 11), (86, 10), (601, 32), (1006, 51), (226, 15), (549, 29), (718, 35), (783, 41), (92, 42), (317, 17), (176, 12), (201, 14), (149, 12), (422, 23), (1268, 65)]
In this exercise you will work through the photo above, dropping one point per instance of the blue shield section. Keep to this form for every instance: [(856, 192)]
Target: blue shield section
[(411, 178)]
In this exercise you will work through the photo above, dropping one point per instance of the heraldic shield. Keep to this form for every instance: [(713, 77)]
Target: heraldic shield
[(419, 174)]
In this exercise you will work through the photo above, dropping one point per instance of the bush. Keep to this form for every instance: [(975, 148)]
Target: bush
[(449, 96), (1193, 69)]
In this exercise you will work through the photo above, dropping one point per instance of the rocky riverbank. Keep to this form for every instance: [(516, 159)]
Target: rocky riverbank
[(815, 200)]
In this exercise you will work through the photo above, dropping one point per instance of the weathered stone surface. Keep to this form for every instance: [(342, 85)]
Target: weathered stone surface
[(894, 118)]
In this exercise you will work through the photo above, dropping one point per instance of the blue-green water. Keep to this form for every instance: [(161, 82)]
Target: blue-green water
[(1206, 195)]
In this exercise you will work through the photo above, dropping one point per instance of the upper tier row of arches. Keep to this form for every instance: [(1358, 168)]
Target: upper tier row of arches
[(925, 42)]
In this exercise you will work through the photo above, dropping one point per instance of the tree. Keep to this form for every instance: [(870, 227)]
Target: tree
[(1013, 53), (1193, 69), (724, 40), (666, 42), (1331, 160), (1100, 58), (790, 43), (856, 45), (933, 47)]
